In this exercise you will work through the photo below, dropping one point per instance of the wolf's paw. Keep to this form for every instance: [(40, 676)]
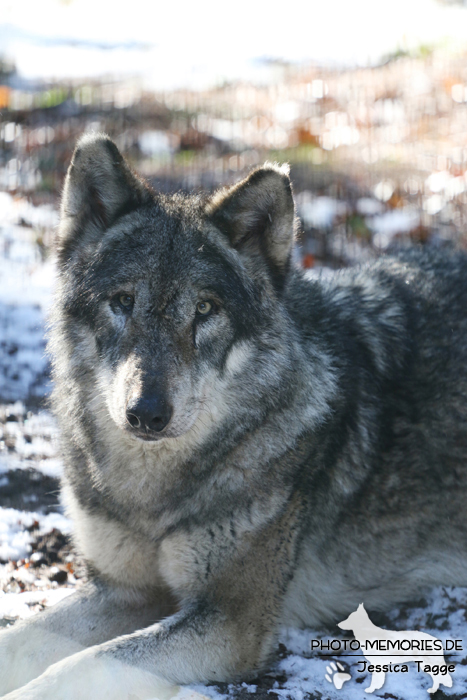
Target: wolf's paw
[(26, 650), (336, 675)]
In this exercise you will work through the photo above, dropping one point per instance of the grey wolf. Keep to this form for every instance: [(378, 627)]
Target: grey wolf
[(243, 447), (369, 635)]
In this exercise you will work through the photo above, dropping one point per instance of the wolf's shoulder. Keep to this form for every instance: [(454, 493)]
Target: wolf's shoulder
[(380, 313), (413, 271)]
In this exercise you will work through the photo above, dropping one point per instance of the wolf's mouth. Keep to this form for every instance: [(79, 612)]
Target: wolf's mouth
[(148, 437)]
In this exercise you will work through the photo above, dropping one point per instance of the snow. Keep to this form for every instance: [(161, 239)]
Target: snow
[(319, 212), (22, 362), (15, 539), (35, 441), (20, 605), (26, 290), (386, 226), (367, 206), (155, 143)]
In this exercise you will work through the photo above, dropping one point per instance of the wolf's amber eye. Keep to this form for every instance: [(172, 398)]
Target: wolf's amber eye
[(203, 308), (126, 300)]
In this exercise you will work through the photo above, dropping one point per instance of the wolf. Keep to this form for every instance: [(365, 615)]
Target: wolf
[(410, 645), (244, 447)]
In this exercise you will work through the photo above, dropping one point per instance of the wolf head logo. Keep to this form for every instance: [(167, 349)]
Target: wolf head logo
[(356, 620)]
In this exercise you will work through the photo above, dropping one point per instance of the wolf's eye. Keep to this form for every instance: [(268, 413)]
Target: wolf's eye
[(203, 308), (126, 300)]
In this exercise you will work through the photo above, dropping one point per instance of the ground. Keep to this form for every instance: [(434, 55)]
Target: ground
[(38, 565)]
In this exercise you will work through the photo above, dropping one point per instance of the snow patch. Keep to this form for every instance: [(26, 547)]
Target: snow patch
[(21, 605), (15, 539)]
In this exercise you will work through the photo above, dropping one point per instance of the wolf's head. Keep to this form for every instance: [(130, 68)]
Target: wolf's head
[(355, 620), (170, 305)]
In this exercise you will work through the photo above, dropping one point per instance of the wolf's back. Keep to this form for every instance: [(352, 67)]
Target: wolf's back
[(387, 478)]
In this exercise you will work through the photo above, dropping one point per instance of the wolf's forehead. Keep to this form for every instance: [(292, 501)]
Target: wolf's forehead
[(162, 256), (153, 267), (151, 245), (168, 223)]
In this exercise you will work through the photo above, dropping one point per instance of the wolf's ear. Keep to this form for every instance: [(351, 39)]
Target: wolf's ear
[(258, 216), (99, 187)]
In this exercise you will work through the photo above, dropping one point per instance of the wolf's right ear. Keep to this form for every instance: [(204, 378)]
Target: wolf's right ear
[(258, 216), (99, 188)]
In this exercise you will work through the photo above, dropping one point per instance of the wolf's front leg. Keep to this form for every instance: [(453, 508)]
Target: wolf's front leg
[(88, 617), (87, 677), (200, 644), (225, 632)]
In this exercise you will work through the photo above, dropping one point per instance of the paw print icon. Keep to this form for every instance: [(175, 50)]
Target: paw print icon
[(336, 675)]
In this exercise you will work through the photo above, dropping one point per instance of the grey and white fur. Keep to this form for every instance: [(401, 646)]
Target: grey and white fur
[(244, 447)]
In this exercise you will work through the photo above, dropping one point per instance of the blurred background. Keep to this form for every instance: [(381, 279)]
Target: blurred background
[(367, 101)]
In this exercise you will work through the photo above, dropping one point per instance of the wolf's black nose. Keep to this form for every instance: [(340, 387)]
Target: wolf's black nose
[(150, 414)]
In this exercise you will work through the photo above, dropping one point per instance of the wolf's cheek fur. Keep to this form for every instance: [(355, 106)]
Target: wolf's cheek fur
[(238, 357)]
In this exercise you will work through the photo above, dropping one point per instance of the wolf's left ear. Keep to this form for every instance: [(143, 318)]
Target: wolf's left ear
[(258, 215), (99, 188)]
